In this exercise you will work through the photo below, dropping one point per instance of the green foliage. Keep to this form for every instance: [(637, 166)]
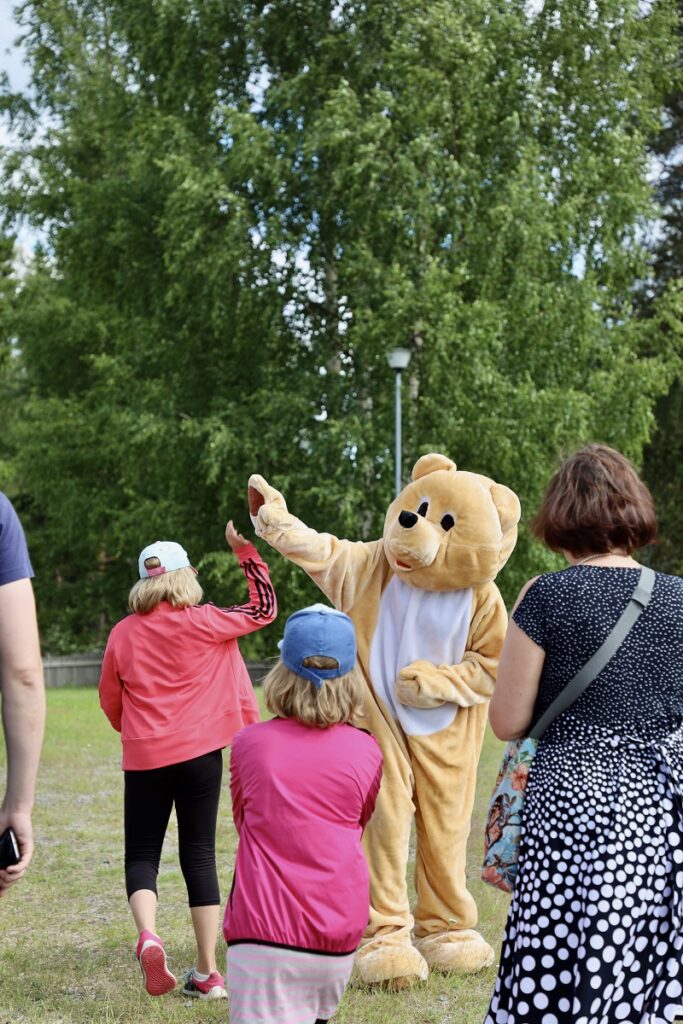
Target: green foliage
[(247, 205), (661, 467), (8, 286), (663, 457)]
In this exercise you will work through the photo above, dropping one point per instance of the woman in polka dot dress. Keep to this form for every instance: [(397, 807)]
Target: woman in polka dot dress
[(595, 930)]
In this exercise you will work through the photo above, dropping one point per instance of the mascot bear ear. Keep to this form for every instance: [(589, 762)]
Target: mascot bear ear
[(430, 464), (507, 507)]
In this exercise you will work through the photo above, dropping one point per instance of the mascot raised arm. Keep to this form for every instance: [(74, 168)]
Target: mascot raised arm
[(430, 624)]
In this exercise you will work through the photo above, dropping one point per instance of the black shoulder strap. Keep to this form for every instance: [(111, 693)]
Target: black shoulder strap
[(594, 666)]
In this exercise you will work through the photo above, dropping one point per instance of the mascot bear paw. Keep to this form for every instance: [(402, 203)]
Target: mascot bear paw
[(456, 952), (387, 961)]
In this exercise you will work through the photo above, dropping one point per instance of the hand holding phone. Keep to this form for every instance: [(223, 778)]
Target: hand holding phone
[(9, 849)]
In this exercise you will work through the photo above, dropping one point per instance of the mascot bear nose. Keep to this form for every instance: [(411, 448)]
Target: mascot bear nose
[(407, 519)]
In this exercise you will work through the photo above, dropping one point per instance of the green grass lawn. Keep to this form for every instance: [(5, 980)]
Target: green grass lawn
[(67, 936)]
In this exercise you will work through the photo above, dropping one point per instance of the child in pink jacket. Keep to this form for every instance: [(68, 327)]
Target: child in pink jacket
[(303, 787), (175, 686)]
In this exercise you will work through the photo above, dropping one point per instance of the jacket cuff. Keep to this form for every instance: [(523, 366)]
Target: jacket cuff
[(248, 551)]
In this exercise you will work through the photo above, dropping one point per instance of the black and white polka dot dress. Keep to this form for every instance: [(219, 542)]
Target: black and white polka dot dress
[(595, 930)]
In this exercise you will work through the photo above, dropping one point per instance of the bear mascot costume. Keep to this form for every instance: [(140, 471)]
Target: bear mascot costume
[(430, 624)]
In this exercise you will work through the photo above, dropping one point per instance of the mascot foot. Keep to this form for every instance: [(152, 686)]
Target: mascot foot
[(456, 952), (393, 964)]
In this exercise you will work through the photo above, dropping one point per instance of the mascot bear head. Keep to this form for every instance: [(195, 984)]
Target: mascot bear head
[(449, 530)]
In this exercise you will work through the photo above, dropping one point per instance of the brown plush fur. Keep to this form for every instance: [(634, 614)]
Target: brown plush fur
[(429, 777)]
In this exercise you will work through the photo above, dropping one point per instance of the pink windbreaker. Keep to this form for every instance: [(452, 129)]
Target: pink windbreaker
[(301, 797), (173, 681)]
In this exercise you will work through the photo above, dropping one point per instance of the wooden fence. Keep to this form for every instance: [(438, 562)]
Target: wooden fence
[(84, 669)]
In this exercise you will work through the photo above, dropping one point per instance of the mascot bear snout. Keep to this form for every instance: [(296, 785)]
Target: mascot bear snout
[(412, 542), (407, 519)]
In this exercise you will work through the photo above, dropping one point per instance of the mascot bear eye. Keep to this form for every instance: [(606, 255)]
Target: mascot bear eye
[(448, 522), (422, 511)]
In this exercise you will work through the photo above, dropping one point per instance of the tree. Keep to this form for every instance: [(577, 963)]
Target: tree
[(664, 454), (8, 287), (248, 204)]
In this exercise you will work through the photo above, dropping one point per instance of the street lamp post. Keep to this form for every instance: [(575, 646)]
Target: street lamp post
[(398, 360)]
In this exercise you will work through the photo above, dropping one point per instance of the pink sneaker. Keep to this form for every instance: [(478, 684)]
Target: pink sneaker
[(152, 960), (212, 987)]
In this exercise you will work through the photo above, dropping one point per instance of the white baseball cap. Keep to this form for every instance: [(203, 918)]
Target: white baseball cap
[(171, 557)]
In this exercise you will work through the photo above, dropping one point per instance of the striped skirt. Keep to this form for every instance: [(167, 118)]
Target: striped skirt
[(276, 985)]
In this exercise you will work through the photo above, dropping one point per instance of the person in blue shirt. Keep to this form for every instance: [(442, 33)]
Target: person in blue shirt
[(22, 687)]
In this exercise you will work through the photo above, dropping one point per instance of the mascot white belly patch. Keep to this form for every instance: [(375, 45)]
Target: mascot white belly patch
[(418, 625)]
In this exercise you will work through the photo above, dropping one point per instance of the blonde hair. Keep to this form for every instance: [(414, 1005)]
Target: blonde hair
[(288, 695), (179, 587)]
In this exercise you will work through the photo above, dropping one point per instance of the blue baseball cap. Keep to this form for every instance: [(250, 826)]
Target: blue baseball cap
[(171, 556), (318, 630)]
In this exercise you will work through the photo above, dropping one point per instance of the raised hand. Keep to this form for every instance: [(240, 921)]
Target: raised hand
[(235, 540)]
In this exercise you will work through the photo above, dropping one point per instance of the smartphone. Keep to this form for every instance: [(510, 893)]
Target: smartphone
[(9, 849)]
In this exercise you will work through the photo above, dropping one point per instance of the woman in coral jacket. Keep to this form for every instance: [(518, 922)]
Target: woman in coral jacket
[(175, 686)]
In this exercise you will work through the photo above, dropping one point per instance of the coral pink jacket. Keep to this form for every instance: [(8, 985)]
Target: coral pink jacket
[(301, 797), (173, 681)]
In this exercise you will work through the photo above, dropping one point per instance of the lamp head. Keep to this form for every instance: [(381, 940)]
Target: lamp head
[(398, 358)]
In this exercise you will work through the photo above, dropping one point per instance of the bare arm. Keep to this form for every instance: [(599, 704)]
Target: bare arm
[(23, 715), (519, 673)]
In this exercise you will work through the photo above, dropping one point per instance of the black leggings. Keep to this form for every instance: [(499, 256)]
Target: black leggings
[(194, 786)]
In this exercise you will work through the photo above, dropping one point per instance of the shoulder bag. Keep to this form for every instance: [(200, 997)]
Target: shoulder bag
[(504, 820)]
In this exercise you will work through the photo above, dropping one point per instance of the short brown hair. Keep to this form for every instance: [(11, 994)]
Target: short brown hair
[(291, 696), (179, 587), (596, 502)]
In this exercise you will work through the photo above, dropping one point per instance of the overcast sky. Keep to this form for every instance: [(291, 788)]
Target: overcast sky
[(11, 62), (10, 55)]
